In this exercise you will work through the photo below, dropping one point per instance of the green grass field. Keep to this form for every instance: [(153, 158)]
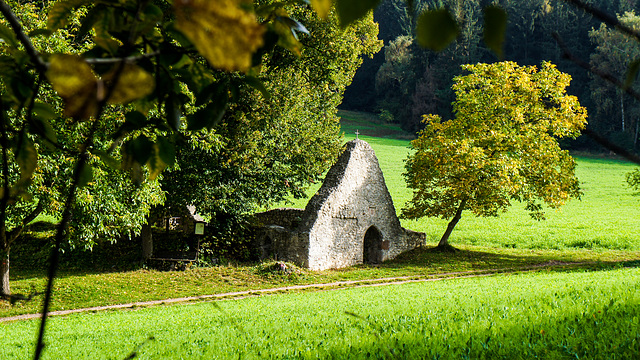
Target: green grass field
[(544, 315)]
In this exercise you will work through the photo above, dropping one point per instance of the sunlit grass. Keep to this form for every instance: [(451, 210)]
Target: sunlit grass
[(543, 315), (77, 289)]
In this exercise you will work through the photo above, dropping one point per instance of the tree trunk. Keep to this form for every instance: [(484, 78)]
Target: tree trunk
[(147, 240), (635, 139), (444, 241), (4, 272), (622, 108)]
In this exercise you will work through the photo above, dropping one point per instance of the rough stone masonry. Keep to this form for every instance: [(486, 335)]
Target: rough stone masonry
[(350, 220)]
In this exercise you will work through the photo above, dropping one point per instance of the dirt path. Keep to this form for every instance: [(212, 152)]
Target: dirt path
[(314, 287)]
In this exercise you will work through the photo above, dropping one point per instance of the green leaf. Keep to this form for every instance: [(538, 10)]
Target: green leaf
[(21, 90), (184, 60), (44, 111), (350, 11), (495, 26), (632, 73), (107, 159), (107, 43), (209, 116), (287, 37), (136, 174), (172, 110), (8, 36), (40, 125), (86, 176), (26, 156), (140, 149), (166, 151), (152, 14), (164, 155), (172, 30), (43, 128), (89, 20), (60, 12), (223, 32), (255, 83), (155, 164), (40, 32), (133, 83), (208, 93), (293, 24), (73, 79), (270, 41), (436, 29), (134, 120), (7, 66), (130, 164), (322, 7)]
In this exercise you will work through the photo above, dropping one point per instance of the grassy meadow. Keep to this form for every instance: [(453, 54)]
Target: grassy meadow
[(542, 315)]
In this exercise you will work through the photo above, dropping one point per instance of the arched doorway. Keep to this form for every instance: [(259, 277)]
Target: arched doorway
[(372, 246), (266, 248)]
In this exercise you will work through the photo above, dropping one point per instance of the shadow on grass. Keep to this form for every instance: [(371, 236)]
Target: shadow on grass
[(519, 335), (431, 260), (420, 261)]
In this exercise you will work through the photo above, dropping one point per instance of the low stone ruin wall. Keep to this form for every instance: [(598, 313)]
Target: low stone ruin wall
[(287, 218)]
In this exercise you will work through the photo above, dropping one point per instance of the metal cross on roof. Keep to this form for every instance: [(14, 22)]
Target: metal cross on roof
[(357, 133)]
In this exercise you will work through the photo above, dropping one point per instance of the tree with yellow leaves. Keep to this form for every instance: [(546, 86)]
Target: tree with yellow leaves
[(502, 146)]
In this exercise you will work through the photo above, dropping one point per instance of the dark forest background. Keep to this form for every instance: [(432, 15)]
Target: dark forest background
[(404, 81)]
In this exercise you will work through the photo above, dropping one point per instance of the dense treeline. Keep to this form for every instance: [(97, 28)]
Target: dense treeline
[(405, 81)]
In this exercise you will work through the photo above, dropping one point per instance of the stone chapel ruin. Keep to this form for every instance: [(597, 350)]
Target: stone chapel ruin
[(350, 220)]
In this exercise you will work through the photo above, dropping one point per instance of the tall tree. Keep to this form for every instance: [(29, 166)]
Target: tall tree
[(502, 146), (394, 80), (270, 148), (40, 147), (102, 87)]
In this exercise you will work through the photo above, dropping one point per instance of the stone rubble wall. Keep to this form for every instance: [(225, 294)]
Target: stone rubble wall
[(286, 217), (353, 198), (282, 244), (330, 231)]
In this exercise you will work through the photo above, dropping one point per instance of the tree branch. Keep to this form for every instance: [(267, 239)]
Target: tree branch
[(13, 234), (604, 17), (592, 69), (4, 199), (41, 66), (130, 59), (611, 146), (83, 161), (607, 77)]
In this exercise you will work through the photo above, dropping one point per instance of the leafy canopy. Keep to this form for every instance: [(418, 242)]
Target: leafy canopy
[(270, 149), (92, 90), (502, 145)]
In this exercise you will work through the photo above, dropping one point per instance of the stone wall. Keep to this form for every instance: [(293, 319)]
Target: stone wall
[(350, 220), (286, 217), (279, 243), (353, 199)]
